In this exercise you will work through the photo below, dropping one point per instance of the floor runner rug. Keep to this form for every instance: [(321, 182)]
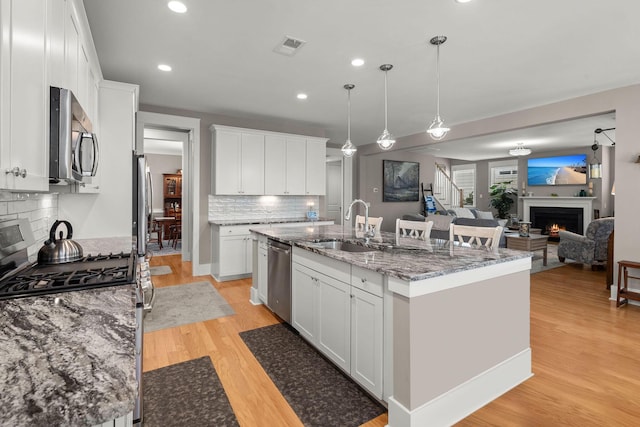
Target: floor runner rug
[(317, 391), (182, 304), (186, 394), (160, 270)]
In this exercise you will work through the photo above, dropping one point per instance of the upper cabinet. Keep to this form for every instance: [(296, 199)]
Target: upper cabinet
[(24, 96), (239, 162), (278, 163), (42, 43)]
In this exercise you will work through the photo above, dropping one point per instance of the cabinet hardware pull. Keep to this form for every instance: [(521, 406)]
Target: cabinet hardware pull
[(363, 279), (16, 171)]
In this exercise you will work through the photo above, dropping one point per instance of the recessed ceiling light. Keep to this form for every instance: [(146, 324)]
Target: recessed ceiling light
[(357, 62), (302, 96), (164, 67), (177, 6), (463, 1)]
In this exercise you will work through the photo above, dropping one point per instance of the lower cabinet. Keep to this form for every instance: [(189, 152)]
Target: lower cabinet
[(232, 252), (341, 315)]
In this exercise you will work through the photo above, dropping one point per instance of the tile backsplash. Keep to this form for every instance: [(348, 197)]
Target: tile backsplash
[(260, 207), (40, 209)]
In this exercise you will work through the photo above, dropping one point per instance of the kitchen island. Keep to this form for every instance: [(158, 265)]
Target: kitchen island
[(454, 331)]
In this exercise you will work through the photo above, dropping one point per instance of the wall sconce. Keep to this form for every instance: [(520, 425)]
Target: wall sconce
[(595, 167), (638, 159)]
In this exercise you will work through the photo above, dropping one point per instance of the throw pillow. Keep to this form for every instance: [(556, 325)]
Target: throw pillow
[(485, 215), (463, 213), (440, 222)]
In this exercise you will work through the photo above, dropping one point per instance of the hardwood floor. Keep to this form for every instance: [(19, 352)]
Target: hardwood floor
[(586, 355)]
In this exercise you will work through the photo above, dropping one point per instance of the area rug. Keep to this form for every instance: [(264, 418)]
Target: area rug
[(186, 394), (167, 249), (552, 259), (317, 391), (182, 304), (160, 270)]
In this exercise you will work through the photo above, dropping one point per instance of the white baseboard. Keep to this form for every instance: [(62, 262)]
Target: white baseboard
[(254, 299), (463, 400)]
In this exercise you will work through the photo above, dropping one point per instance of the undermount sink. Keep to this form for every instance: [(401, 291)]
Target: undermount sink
[(343, 246)]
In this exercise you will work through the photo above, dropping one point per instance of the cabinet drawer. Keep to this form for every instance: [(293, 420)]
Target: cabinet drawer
[(234, 230), (367, 280)]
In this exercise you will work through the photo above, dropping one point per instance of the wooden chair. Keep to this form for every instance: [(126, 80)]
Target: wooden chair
[(482, 236), (413, 229), (375, 223), (154, 232), (175, 233)]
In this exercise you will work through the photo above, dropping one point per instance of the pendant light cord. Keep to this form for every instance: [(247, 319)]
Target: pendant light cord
[(385, 100), (438, 81), (349, 115)]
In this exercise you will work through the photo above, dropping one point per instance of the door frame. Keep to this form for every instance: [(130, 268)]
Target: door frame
[(190, 181), (347, 178)]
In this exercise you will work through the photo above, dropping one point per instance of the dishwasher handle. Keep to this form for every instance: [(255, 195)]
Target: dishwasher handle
[(282, 251)]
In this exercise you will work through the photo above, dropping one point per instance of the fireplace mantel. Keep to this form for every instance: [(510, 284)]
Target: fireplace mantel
[(586, 203)]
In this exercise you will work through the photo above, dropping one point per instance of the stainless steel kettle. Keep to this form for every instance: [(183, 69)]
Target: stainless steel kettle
[(60, 250)]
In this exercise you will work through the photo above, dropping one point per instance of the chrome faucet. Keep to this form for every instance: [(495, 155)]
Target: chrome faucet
[(368, 233)]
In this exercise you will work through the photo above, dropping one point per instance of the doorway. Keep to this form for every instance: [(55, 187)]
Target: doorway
[(190, 171), (339, 187)]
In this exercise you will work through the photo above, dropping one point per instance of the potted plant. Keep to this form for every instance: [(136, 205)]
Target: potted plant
[(502, 198)]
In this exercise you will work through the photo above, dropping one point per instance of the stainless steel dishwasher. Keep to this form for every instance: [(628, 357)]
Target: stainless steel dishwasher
[(279, 293)]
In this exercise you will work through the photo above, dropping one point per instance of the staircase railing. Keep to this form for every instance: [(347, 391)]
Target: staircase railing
[(445, 190)]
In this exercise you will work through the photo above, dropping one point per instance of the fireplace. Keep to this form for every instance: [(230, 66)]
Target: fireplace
[(567, 206), (553, 219)]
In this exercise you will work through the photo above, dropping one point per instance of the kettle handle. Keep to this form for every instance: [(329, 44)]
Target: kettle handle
[(54, 227)]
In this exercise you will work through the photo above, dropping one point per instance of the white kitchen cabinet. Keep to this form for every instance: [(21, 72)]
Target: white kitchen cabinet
[(316, 169), (367, 335), (23, 95), (232, 251), (321, 309), (238, 162), (284, 165)]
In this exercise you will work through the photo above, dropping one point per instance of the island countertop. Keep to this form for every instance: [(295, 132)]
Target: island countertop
[(266, 221), (406, 259), (68, 358)]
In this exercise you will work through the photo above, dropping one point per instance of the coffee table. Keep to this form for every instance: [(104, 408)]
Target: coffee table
[(534, 242)]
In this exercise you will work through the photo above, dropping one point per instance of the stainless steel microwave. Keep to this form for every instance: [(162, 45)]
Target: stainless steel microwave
[(73, 147)]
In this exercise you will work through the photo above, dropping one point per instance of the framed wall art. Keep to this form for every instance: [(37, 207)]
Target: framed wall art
[(400, 181)]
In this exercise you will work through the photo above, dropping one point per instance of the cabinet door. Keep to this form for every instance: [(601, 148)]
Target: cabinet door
[(71, 50), (334, 318), (316, 167), (55, 52), (252, 164), (296, 152), (263, 273), (227, 162), (233, 255), (248, 254), (366, 340), (275, 160), (303, 301), (24, 102)]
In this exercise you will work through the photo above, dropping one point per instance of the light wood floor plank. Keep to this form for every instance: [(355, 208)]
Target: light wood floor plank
[(586, 355)]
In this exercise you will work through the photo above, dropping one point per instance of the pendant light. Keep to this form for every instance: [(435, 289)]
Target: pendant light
[(385, 140), (520, 150), (437, 130), (348, 149)]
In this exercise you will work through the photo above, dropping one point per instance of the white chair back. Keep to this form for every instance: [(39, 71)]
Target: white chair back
[(375, 223), (413, 229), (476, 235)]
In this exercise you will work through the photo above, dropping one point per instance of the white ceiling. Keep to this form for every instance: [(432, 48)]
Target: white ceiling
[(500, 56)]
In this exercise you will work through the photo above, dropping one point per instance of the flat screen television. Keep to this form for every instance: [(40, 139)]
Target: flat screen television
[(557, 170)]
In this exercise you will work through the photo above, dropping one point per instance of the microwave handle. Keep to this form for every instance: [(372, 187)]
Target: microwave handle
[(96, 153)]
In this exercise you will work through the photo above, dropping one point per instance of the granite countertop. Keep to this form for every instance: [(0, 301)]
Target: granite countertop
[(264, 221), (68, 358), (105, 245), (407, 259)]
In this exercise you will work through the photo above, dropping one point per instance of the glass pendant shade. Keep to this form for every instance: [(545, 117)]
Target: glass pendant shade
[(385, 140), (595, 170), (437, 130), (348, 149)]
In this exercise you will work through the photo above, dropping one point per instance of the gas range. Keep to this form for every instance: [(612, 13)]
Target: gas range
[(92, 271)]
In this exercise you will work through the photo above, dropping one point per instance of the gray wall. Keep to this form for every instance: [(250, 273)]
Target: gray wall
[(204, 156)]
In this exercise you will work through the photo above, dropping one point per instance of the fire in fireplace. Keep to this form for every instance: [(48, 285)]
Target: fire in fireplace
[(553, 219)]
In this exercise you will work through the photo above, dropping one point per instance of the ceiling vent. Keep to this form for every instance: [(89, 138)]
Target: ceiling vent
[(289, 46)]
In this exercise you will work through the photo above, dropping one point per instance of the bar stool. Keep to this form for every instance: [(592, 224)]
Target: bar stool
[(623, 291)]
